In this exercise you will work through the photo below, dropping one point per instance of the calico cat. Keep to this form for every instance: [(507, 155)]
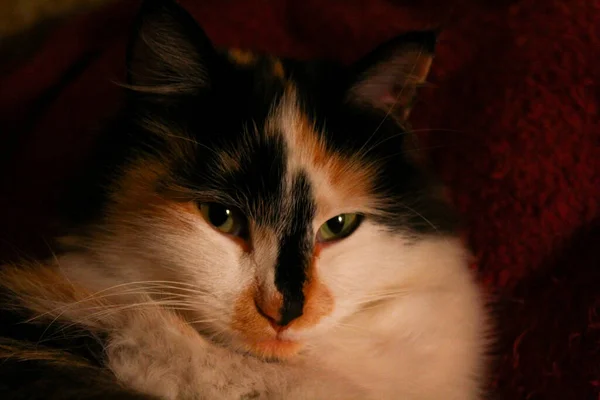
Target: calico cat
[(250, 227)]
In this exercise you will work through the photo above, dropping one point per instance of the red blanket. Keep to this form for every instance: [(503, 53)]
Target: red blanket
[(511, 125)]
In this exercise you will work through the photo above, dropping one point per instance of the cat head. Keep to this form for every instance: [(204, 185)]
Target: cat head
[(271, 198)]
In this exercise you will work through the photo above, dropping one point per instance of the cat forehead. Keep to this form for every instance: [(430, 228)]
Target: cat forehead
[(271, 131), (276, 159)]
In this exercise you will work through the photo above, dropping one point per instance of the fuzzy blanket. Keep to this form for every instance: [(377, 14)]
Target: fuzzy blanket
[(511, 125)]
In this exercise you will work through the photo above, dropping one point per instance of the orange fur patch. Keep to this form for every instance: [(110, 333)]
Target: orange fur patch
[(278, 70), (41, 288), (275, 348), (138, 187), (242, 57), (46, 292), (254, 327), (350, 177), (137, 196), (246, 318), (258, 337), (270, 304), (318, 300)]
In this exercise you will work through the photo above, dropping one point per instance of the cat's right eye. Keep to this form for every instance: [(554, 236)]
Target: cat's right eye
[(225, 219), (339, 227)]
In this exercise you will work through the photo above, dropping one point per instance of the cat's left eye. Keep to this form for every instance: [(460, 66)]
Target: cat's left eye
[(225, 219), (339, 227)]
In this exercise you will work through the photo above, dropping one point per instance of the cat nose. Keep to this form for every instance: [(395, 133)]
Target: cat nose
[(280, 318), (291, 310)]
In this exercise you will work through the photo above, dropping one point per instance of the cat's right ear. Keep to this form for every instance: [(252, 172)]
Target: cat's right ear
[(389, 77), (168, 53)]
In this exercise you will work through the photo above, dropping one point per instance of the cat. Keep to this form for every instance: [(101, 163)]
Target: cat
[(251, 227)]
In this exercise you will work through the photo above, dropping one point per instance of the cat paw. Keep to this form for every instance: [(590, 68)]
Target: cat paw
[(165, 357)]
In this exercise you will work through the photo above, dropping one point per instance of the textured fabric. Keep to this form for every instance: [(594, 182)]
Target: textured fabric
[(510, 123)]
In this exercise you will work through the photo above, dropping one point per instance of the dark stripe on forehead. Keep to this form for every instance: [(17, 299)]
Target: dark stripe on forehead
[(231, 122), (259, 183), (295, 250)]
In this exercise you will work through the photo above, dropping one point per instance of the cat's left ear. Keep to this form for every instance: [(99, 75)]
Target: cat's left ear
[(388, 78), (168, 52)]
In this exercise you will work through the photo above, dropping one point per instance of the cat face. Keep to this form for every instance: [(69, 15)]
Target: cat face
[(268, 200)]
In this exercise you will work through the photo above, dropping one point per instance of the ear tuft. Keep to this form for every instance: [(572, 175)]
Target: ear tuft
[(388, 78), (168, 52)]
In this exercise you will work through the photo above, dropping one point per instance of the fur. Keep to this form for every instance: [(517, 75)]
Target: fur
[(182, 311)]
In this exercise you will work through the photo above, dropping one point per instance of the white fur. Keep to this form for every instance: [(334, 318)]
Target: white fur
[(407, 325)]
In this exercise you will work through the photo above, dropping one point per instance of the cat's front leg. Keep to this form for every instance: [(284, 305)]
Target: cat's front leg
[(157, 353)]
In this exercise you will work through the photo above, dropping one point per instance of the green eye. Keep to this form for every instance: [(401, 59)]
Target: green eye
[(226, 219), (339, 227)]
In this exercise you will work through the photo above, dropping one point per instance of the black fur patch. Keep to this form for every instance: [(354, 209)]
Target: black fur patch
[(233, 122), (295, 250)]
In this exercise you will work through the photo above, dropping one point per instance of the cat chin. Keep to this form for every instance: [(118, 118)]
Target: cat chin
[(269, 348), (274, 349)]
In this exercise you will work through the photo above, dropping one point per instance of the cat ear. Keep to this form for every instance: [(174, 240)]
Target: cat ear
[(388, 78), (168, 53)]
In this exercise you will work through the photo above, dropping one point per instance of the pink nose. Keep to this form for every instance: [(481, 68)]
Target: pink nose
[(270, 312), (278, 320)]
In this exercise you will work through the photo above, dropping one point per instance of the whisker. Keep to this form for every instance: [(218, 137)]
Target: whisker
[(418, 214), (165, 296), (355, 328), (139, 285), (107, 311)]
